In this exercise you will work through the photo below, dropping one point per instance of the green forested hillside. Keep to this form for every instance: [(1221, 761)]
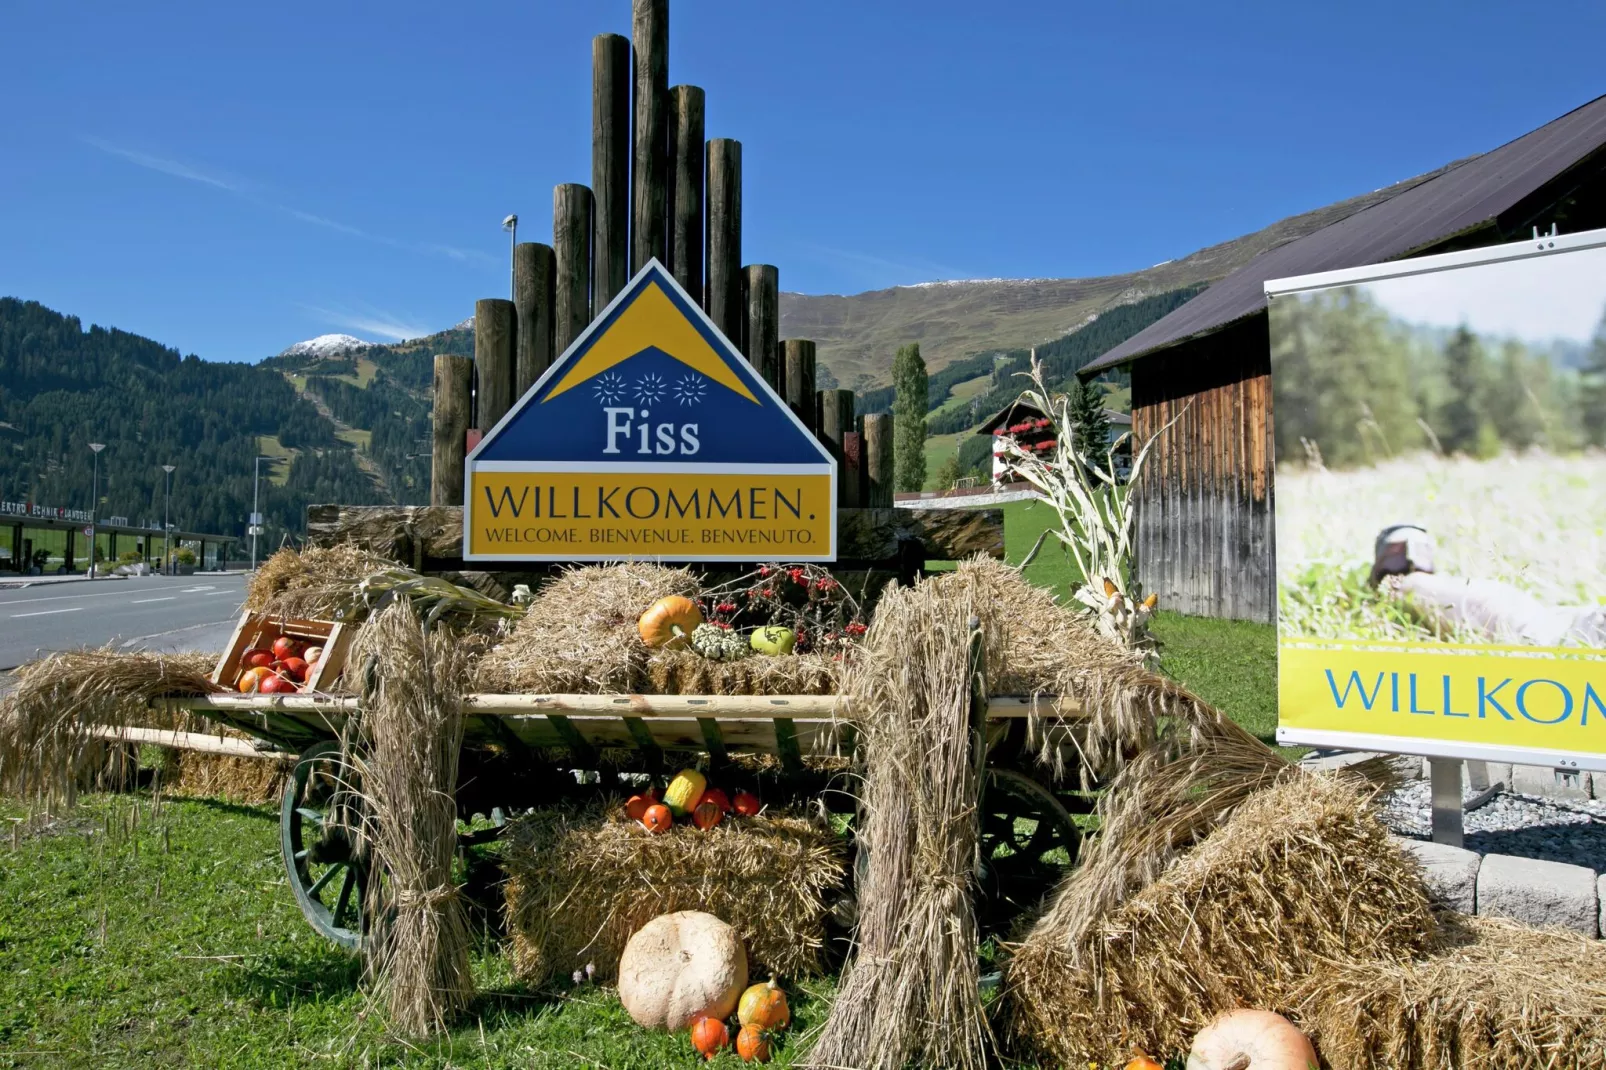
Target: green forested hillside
[(62, 387)]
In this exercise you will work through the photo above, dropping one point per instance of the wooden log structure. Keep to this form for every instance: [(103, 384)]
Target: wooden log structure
[(761, 322), (534, 297), (722, 278), (879, 464), (798, 363), (836, 423), (571, 244), (649, 172), (494, 324), (610, 164), (453, 401), (685, 209), (863, 535)]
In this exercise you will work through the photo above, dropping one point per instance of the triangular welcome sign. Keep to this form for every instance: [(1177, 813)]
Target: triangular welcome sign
[(651, 437)]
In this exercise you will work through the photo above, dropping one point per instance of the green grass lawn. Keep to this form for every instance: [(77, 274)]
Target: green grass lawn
[(177, 943)]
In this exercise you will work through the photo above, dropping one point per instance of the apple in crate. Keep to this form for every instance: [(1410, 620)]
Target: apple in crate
[(256, 658), (286, 647), (295, 669), (274, 684)]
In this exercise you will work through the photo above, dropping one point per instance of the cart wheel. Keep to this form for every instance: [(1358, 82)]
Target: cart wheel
[(328, 872), (1028, 842)]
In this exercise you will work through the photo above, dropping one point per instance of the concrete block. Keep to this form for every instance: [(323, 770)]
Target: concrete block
[(1451, 872), (1539, 893), (1548, 783)]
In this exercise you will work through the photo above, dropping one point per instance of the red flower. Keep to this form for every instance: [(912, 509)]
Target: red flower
[(763, 570), (725, 624)]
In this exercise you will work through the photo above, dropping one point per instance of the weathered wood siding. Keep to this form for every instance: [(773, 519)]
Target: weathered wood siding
[(1205, 537)]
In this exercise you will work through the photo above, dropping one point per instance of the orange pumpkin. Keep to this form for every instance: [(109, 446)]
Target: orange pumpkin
[(718, 798), (657, 818), (707, 815), (669, 622), (764, 1007), (251, 679), (753, 1045), (747, 803), (1141, 1061), (709, 1035), (637, 805)]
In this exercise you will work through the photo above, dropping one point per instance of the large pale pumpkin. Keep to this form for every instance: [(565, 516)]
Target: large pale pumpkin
[(681, 964), (669, 622), (1251, 1040)]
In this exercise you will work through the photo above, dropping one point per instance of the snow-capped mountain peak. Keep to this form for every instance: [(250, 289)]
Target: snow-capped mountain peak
[(326, 345)]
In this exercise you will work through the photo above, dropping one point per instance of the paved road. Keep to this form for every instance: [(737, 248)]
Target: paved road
[(158, 613)]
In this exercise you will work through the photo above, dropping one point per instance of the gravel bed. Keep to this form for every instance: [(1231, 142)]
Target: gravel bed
[(1510, 824)]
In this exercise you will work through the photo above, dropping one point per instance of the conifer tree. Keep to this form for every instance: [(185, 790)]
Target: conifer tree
[(909, 404), (1091, 428)]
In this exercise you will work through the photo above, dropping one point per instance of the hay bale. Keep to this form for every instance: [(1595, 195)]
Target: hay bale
[(413, 683), (910, 995), (47, 752), (579, 635), (248, 781), (1495, 995), (685, 672), (1301, 876), (318, 583), (581, 882)]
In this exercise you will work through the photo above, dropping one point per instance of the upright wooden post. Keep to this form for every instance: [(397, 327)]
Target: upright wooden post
[(799, 362), (494, 325), (878, 460), (571, 245), (534, 279), (649, 232), (722, 298), (454, 379), (610, 162), (686, 188), (836, 422), (761, 327)]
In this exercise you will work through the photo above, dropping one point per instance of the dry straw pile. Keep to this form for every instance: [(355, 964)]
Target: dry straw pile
[(47, 750), (579, 635), (581, 882), (1302, 875), (240, 780), (910, 994), (312, 584), (412, 726), (1493, 996)]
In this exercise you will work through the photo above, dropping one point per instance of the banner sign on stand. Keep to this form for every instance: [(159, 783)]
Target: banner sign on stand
[(1441, 504), (650, 438)]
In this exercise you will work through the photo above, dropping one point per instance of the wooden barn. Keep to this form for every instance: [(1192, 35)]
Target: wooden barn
[(1205, 531)]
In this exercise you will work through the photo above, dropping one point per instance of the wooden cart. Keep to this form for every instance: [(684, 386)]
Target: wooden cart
[(519, 746)]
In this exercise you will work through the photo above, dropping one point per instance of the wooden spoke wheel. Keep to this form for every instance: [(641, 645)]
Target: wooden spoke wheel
[(1028, 842), (328, 870)]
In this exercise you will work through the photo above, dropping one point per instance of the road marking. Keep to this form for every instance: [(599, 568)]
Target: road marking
[(176, 631), (75, 597), (192, 590), (46, 612), (142, 601)]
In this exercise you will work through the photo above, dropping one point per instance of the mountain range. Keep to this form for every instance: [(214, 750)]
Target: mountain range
[(337, 418)]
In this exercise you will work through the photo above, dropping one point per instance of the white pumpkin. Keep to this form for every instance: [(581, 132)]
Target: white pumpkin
[(679, 964), (1251, 1040)]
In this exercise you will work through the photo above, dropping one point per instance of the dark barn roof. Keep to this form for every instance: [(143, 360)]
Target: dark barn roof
[(1463, 198)]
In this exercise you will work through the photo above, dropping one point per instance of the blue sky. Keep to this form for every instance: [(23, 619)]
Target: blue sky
[(232, 178)]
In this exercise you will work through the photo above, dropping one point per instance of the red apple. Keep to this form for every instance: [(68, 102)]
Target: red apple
[(294, 668), (257, 656), (274, 684), (285, 647)]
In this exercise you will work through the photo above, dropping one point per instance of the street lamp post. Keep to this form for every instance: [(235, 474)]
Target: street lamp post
[(256, 515), (511, 224), (167, 528), (94, 504)]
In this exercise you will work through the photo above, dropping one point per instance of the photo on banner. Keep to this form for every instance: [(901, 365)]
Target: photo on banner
[(1440, 438)]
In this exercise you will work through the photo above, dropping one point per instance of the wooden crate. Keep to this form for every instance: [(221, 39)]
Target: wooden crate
[(260, 630)]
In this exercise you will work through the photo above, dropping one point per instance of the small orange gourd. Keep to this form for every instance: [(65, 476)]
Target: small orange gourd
[(636, 806), (706, 815), (657, 818), (753, 1045), (764, 1007), (709, 1035), (1141, 1061), (669, 622)]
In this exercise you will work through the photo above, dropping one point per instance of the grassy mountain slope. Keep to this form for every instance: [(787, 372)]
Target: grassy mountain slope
[(858, 334)]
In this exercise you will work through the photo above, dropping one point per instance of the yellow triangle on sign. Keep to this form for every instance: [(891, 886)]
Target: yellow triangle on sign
[(651, 319)]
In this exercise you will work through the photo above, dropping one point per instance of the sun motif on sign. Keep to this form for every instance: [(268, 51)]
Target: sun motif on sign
[(651, 389), (610, 387), (691, 389)]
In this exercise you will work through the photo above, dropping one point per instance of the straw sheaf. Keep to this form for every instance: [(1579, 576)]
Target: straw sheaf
[(582, 882), (47, 751), (1494, 996), (579, 634), (1303, 875), (412, 726), (911, 995)]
